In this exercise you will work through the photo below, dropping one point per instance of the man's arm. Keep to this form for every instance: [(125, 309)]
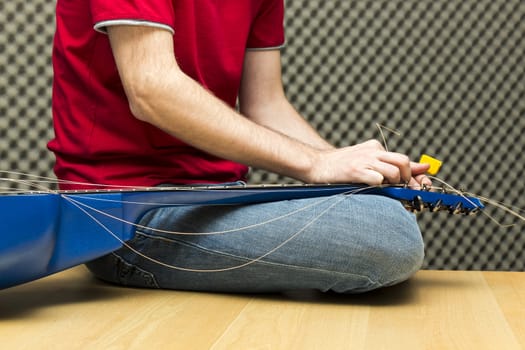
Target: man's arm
[(262, 99), (161, 94)]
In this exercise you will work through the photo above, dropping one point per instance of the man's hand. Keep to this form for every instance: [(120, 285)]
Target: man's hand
[(367, 163), (419, 177)]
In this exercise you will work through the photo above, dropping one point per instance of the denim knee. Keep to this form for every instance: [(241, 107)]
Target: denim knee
[(401, 252), (363, 242)]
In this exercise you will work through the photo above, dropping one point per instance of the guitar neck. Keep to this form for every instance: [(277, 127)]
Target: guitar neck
[(415, 200)]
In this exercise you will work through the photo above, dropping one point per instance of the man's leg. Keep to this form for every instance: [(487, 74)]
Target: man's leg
[(346, 244)]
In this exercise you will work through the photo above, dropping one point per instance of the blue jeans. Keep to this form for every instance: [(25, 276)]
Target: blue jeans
[(347, 244)]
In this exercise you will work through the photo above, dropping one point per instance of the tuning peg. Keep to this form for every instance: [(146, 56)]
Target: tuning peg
[(418, 204), (457, 209), (437, 206), (472, 211), (409, 205)]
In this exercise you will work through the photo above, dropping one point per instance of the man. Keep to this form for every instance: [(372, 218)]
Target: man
[(145, 95)]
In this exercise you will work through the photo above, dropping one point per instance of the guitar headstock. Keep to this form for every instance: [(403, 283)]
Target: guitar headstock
[(433, 201)]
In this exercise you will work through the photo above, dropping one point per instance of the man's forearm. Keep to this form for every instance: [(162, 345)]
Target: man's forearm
[(263, 100), (282, 117), (184, 109)]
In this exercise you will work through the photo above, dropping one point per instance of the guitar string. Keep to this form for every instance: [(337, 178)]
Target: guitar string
[(84, 208), (507, 208), (201, 233), (157, 230), (230, 268), (336, 199), (380, 127), (71, 197), (250, 226), (515, 212), (54, 181)]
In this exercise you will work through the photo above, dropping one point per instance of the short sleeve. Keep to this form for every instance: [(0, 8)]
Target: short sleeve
[(268, 28), (158, 13)]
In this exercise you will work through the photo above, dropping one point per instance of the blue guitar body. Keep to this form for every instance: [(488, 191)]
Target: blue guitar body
[(43, 233)]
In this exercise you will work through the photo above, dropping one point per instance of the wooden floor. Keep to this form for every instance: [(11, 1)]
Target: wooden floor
[(435, 310)]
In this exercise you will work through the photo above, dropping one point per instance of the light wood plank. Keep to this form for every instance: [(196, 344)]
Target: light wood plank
[(509, 291), (434, 310), (72, 308), (450, 310), (285, 324)]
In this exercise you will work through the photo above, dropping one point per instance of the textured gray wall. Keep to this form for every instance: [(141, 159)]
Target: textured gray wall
[(448, 74)]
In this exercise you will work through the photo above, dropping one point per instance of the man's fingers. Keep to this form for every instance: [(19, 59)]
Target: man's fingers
[(399, 161), (390, 173), (370, 163), (421, 180), (372, 177), (419, 168), (419, 175)]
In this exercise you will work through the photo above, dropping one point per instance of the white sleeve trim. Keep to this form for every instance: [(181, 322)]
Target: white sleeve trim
[(101, 26), (266, 48)]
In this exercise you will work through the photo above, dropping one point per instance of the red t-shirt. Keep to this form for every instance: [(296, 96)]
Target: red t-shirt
[(97, 139)]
